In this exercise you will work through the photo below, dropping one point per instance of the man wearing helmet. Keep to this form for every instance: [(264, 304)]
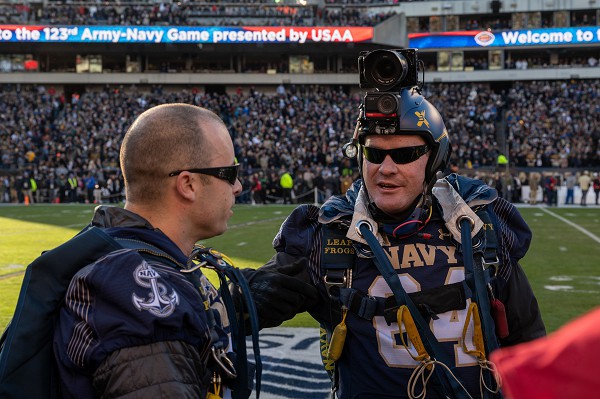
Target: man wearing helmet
[(413, 213)]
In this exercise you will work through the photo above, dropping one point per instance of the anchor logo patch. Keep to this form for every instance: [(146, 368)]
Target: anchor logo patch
[(159, 302)]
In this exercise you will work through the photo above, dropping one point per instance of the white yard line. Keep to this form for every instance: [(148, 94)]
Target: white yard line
[(578, 227)]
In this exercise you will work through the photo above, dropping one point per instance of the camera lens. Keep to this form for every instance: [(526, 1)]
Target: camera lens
[(385, 69), (387, 104)]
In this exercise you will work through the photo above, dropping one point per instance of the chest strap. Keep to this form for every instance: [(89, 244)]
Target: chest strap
[(337, 259), (429, 302)]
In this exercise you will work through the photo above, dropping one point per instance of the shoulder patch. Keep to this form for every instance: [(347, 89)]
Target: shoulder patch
[(159, 301)]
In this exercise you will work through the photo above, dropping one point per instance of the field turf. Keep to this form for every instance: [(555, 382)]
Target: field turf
[(563, 263)]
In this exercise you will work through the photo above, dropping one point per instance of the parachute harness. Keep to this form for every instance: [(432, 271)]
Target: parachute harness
[(236, 369)]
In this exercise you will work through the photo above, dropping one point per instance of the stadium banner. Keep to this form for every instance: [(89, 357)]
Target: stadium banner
[(507, 38), (182, 34)]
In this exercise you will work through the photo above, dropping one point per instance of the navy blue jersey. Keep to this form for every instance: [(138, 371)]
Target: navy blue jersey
[(374, 362)]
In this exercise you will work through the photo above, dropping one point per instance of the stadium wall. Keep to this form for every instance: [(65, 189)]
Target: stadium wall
[(285, 78), (426, 8)]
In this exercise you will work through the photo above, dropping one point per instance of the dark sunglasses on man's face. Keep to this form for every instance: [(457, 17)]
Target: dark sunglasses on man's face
[(229, 173), (401, 155)]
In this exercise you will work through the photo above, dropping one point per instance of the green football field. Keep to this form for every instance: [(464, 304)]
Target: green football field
[(563, 263)]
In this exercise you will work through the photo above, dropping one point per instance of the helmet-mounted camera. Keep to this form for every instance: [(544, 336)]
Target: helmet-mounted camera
[(388, 70)]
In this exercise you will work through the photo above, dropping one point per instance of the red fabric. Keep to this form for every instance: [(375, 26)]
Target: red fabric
[(499, 314), (563, 365)]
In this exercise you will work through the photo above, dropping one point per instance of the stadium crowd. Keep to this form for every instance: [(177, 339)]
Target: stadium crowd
[(191, 14), (69, 146), (239, 13)]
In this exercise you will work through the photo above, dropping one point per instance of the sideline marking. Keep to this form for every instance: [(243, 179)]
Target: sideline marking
[(578, 227), (569, 288), (578, 281)]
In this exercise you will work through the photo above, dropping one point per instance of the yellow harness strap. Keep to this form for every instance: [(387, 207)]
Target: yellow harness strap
[(405, 319), (324, 347), (216, 388), (479, 351)]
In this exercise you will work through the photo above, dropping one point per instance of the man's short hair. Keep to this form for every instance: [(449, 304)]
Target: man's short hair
[(163, 139)]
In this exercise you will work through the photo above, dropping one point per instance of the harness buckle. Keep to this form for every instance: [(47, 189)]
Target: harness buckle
[(224, 362), (340, 277), (495, 264)]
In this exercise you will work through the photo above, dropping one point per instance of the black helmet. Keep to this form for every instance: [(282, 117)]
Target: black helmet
[(415, 116)]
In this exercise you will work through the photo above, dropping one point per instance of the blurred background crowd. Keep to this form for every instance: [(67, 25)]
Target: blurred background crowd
[(258, 13), (59, 149)]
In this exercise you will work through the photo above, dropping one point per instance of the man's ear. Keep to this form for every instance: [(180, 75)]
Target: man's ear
[(187, 185)]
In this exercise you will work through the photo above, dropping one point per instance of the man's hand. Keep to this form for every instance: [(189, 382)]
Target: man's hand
[(280, 289)]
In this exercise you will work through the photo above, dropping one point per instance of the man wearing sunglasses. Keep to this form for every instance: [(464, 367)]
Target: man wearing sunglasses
[(404, 198), (133, 323)]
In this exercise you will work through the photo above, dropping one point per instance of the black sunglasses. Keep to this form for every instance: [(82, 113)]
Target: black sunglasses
[(401, 155), (229, 173)]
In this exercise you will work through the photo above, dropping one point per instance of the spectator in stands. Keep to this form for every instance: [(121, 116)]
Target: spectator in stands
[(570, 182), (549, 188), (584, 183), (286, 182), (247, 13), (257, 189), (596, 186)]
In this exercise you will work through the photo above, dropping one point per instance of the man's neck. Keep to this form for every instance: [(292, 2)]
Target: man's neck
[(172, 224)]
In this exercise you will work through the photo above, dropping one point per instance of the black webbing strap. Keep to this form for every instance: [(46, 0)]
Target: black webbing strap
[(337, 258), (225, 270), (337, 261), (447, 384), (475, 276)]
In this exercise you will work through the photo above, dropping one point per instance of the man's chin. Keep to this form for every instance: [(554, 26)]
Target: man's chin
[(220, 231), (391, 209), (390, 205)]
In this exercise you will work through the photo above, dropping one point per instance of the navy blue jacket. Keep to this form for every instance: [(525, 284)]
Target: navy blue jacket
[(132, 326), (374, 363)]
